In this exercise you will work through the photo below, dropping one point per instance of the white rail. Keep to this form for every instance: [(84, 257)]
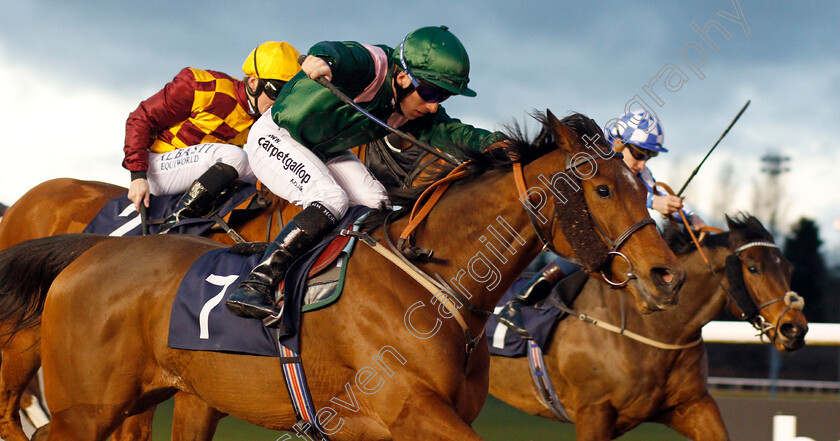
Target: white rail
[(819, 334)]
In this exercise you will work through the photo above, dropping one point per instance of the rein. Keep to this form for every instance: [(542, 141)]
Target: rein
[(623, 331), (750, 312)]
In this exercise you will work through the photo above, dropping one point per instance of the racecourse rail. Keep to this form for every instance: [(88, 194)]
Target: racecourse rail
[(819, 334)]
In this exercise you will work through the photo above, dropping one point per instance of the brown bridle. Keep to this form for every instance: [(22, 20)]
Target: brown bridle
[(547, 238)]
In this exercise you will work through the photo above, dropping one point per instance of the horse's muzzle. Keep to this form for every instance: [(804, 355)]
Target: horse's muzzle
[(792, 336), (668, 281)]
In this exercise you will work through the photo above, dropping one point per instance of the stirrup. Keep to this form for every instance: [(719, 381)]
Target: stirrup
[(509, 323), (273, 321)]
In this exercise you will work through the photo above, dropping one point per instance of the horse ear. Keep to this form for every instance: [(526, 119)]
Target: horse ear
[(729, 221), (563, 136)]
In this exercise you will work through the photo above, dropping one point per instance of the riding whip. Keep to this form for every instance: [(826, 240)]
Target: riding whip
[(679, 193), (347, 100), (144, 220)]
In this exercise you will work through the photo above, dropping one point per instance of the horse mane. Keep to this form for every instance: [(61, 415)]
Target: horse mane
[(527, 148), (747, 228), (743, 228)]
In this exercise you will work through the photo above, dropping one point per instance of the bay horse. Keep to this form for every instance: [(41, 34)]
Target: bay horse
[(608, 384), (104, 323), (61, 206), (64, 205)]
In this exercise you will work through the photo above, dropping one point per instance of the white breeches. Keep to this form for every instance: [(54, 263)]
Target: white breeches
[(294, 173), (173, 172)]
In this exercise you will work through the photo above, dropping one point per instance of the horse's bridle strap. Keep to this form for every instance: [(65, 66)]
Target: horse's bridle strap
[(755, 244)]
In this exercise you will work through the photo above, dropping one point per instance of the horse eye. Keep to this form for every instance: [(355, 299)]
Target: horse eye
[(752, 269), (603, 191)]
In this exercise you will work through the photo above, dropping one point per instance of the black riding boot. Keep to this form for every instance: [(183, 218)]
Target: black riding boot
[(253, 297), (205, 195), (538, 288)]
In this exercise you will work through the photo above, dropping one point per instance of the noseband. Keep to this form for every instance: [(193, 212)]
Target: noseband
[(595, 263), (749, 310)]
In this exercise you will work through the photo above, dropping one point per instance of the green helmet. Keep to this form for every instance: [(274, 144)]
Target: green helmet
[(435, 55)]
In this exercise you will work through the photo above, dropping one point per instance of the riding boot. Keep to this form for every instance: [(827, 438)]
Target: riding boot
[(538, 288), (205, 195), (253, 297)]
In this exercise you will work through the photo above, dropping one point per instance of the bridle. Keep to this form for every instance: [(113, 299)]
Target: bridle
[(546, 237), (750, 311)]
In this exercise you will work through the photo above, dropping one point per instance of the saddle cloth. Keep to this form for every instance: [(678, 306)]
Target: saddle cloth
[(119, 218), (539, 319), (199, 320)]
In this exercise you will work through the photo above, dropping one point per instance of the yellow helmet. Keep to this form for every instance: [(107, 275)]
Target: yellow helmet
[(272, 60)]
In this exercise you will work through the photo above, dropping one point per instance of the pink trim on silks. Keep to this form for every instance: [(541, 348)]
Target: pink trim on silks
[(397, 119), (380, 62)]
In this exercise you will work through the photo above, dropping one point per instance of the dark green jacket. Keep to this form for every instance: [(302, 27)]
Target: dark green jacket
[(319, 120)]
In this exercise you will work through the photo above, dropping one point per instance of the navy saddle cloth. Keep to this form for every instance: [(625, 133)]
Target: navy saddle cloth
[(119, 218), (200, 321), (539, 322)]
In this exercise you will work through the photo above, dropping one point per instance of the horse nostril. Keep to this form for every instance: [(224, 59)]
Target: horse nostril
[(661, 274), (791, 331)]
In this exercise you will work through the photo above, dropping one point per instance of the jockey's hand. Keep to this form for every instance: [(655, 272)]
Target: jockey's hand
[(138, 192), (316, 67), (667, 204)]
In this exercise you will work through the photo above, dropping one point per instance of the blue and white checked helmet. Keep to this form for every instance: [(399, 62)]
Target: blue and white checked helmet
[(639, 128)]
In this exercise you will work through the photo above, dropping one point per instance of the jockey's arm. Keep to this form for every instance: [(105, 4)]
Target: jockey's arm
[(171, 105), (443, 131)]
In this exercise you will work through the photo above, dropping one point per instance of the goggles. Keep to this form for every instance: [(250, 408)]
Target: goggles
[(641, 154), (427, 92), (272, 88)]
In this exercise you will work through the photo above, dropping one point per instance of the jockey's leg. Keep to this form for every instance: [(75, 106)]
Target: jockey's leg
[(537, 289), (358, 182), (206, 194), (297, 175), (206, 172), (253, 296)]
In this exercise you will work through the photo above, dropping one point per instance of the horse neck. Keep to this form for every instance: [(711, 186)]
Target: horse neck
[(482, 237), (700, 300)]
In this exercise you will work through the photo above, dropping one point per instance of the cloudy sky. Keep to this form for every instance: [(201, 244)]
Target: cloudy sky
[(70, 72)]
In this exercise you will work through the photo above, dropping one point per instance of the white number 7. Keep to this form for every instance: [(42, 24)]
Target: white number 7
[(224, 282)]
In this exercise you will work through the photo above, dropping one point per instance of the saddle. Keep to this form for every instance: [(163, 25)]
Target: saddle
[(119, 218), (199, 320)]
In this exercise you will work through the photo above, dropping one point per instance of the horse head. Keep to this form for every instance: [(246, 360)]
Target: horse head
[(759, 277), (601, 219)]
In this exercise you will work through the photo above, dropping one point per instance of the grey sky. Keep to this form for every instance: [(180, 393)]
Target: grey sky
[(591, 57)]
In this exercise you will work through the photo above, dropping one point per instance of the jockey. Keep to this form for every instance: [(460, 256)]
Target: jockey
[(639, 136), (189, 136), (300, 149)]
